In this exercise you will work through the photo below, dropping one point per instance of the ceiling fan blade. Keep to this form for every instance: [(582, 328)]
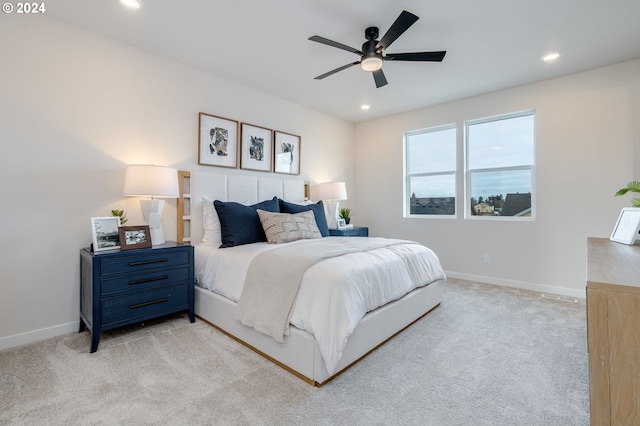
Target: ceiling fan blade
[(344, 67), (417, 56), (335, 44), (379, 78), (401, 24)]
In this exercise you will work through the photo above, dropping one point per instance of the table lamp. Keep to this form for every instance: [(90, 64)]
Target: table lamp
[(155, 182), (331, 193)]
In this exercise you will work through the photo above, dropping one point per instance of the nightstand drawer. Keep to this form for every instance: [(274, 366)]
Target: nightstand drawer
[(144, 281), (141, 262), (140, 306)]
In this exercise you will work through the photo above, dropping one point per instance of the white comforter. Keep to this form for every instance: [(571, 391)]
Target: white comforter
[(335, 293)]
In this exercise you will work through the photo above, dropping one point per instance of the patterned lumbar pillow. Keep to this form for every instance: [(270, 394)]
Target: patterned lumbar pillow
[(285, 227)]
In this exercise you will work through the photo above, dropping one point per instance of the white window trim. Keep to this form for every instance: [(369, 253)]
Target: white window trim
[(467, 174), (407, 177)]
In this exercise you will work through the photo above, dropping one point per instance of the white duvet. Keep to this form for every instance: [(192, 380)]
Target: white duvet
[(335, 293)]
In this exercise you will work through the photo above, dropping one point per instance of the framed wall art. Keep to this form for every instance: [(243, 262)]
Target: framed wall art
[(104, 233), (134, 237), (256, 148), (627, 226), (217, 141), (286, 153)]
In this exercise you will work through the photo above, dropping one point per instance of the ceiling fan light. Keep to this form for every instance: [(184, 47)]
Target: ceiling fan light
[(372, 63)]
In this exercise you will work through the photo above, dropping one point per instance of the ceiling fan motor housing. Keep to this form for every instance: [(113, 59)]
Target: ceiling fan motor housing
[(371, 33)]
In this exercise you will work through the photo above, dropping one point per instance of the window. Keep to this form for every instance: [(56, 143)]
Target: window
[(430, 171), (500, 166)]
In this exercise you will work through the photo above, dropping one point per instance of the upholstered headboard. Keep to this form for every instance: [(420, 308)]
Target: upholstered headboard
[(245, 189)]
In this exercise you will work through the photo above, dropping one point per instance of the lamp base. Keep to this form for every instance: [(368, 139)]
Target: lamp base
[(332, 214), (152, 213)]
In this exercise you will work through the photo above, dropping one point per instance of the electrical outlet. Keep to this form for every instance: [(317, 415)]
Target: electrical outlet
[(486, 259)]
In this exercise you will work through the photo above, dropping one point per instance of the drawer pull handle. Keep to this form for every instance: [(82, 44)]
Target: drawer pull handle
[(153, 302), (147, 280), (147, 262)]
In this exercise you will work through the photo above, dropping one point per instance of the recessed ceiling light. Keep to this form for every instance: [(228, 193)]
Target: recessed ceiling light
[(551, 56), (131, 4), (365, 107)]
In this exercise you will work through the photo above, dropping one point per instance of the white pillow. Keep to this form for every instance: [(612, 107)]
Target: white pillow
[(286, 227), (210, 223)]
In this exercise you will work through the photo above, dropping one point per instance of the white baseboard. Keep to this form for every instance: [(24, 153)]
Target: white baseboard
[(37, 335), (541, 288)]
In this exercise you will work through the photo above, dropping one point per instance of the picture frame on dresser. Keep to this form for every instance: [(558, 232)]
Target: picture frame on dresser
[(104, 233), (627, 226), (286, 153), (217, 141), (134, 237), (256, 147)]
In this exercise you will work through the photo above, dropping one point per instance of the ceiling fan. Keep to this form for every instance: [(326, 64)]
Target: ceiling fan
[(373, 53)]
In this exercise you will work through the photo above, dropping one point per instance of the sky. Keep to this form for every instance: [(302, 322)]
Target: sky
[(494, 144)]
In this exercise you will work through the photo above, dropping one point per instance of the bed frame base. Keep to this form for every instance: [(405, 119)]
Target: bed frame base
[(299, 354)]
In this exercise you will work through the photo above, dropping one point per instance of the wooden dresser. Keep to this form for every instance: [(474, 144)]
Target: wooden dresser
[(613, 324)]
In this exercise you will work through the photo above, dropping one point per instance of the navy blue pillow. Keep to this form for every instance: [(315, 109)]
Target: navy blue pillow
[(240, 224), (318, 211)]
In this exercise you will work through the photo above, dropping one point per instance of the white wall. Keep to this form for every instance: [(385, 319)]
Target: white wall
[(587, 140), (75, 109)]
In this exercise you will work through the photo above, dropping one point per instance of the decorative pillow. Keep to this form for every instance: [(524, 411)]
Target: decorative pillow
[(285, 227), (317, 209), (210, 223), (240, 224)]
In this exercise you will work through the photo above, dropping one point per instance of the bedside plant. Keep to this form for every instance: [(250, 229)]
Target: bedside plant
[(121, 214), (345, 213), (633, 186)]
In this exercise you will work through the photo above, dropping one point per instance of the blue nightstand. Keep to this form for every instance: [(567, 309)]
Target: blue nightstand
[(124, 287), (356, 231)]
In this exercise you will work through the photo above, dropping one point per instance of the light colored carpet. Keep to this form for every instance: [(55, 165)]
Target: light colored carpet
[(487, 356)]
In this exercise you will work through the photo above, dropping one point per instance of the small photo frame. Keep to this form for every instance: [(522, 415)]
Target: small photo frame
[(256, 148), (135, 237), (342, 224), (627, 226), (104, 233), (286, 153), (217, 141)]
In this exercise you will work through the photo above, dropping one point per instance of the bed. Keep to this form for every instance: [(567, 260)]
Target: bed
[(315, 347)]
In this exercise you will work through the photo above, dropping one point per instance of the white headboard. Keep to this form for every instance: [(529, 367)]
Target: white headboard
[(243, 189)]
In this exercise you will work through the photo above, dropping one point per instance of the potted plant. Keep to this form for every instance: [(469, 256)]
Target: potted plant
[(633, 186), (345, 213), (121, 214)]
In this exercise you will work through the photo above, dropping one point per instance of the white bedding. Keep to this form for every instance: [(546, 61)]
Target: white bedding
[(334, 294)]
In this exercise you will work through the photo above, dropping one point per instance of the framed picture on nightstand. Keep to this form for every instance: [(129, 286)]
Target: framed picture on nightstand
[(134, 237), (104, 233)]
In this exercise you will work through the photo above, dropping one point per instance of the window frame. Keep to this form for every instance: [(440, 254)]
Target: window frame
[(407, 177), (468, 172)]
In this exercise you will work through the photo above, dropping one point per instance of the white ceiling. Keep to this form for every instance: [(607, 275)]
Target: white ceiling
[(490, 44)]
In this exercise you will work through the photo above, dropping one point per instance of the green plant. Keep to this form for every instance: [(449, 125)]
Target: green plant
[(633, 186), (345, 213), (121, 214)]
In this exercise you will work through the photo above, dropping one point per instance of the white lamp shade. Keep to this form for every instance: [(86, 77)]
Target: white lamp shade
[(151, 181), (332, 191)]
